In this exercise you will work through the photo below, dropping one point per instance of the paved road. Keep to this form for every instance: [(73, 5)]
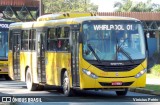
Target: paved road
[(15, 88)]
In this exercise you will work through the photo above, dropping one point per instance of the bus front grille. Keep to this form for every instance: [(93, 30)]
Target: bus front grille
[(116, 68)]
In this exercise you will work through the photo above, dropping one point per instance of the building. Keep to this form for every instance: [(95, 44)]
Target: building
[(19, 10)]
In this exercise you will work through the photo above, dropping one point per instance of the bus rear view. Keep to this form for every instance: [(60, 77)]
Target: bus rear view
[(113, 55)]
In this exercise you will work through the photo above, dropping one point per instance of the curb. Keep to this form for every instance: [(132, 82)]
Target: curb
[(145, 91)]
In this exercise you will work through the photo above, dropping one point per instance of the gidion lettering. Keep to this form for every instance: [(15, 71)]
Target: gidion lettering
[(113, 27)]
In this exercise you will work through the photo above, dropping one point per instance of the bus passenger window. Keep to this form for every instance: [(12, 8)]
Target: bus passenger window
[(32, 40), (25, 44), (63, 39), (51, 40)]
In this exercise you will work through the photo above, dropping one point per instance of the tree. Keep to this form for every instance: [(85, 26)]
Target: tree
[(52, 6), (129, 6), (124, 6), (143, 7)]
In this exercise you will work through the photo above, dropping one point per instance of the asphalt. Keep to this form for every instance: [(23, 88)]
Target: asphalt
[(150, 81)]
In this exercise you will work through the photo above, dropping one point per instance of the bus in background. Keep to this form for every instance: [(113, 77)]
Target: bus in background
[(4, 28), (79, 51)]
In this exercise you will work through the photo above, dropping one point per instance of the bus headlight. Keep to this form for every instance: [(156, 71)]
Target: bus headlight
[(141, 73), (87, 72)]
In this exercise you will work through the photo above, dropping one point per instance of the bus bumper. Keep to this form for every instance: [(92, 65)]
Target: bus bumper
[(110, 83), (3, 67)]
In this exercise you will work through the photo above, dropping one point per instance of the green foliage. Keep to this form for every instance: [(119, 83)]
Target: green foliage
[(156, 70), (130, 6), (143, 6), (52, 6), (124, 6)]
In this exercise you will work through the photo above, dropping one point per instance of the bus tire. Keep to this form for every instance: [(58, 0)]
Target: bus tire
[(66, 85), (29, 82), (122, 93)]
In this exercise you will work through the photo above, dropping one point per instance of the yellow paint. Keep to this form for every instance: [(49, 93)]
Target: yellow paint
[(63, 16), (3, 67), (10, 64), (55, 63), (28, 59)]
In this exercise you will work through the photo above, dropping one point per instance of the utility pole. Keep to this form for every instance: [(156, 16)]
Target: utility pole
[(41, 8), (85, 5)]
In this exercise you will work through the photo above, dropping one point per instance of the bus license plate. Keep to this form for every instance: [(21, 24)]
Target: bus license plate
[(116, 83)]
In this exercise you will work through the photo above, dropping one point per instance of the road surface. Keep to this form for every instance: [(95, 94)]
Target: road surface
[(18, 90)]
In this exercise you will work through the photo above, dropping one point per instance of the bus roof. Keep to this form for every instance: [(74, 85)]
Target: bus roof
[(20, 25), (79, 20), (64, 16)]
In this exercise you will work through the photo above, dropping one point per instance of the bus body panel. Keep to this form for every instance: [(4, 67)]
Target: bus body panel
[(34, 66), (3, 67), (55, 62), (28, 60), (10, 64), (25, 60)]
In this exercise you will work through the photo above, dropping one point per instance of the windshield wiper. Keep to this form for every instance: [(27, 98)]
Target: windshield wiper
[(120, 49), (122, 43), (94, 53)]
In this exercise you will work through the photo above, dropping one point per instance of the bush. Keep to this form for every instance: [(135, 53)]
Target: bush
[(156, 70)]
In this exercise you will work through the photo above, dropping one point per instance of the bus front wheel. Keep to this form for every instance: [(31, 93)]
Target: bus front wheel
[(66, 85), (122, 93), (29, 82)]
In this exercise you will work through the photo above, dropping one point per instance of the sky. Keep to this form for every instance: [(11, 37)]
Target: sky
[(107, 5)]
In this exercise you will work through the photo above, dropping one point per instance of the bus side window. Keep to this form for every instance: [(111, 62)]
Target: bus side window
[(32, 39), (59, 41), (51, 40), (25, 44), (66, 45), (63, 39)]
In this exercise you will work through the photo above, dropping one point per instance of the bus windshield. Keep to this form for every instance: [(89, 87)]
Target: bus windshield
[(3, 44), (113, 40)]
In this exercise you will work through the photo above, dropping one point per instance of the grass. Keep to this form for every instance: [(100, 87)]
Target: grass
[(154, 73), (153, 87)]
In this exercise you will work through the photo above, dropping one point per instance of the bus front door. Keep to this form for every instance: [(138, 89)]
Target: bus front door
[(41, 57), (75, 58), (16, 55)]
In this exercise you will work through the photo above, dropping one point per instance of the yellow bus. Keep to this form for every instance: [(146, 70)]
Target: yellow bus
[(79, 51), (4, 28)]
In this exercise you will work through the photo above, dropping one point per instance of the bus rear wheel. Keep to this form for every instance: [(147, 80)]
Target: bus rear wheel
[(66, 85), (29, 82), (122, 93)]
